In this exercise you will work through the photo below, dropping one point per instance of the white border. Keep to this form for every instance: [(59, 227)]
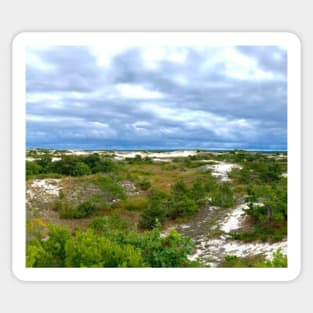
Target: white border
[(290, 41)]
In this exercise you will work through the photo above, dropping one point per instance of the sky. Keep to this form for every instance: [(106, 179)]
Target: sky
[(156, 97)]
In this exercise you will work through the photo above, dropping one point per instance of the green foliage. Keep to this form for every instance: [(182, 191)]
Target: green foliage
[(269, 220), (144, 184), (133, 204), (85, 209), (68, 210), (109, 186), (167, 251), (32, 168), (155, 212), (179, 188), (44, 162), (50, 252), (35, 254), (278, 260), (258, 170), (157, 251), (71, 165), (99, 201), (106, 225), (182, 202), (109, 243), (235, 261), (46, 175), (80, 169), (182, 206), (267, 232), (223, 196), (100, 165), (198, 192), (64, 208), (90, 250)]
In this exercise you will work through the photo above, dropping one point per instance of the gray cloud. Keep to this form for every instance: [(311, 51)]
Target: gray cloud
[(200, 97)]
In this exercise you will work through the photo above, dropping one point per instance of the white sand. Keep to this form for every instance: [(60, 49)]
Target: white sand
[(216, 249), (78, 152), (222, 169), (49, 186), (246, 249), (234, 219), (120, 155)]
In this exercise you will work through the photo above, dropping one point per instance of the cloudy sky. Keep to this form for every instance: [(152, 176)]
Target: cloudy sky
[(157, 97)]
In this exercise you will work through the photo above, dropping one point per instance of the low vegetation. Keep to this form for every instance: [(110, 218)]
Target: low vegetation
[(278, 260), (109, 242), (128, 203)]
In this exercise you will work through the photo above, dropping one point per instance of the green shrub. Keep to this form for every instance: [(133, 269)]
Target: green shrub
[(223, 196), (198, 192), (32, 168), (90, 250), (134, 204), (111, 188), (182, 206), (50, 252), (235, 261), (64, 208), (109, 243), (107, 225), (152, 216), (85, 209), (279, 260), (68, 210), (81, 169), (144, 184), (155, 212), (36, 256), (104, 166), (44, 161)]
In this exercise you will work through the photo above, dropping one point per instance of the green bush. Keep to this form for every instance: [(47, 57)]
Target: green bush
[(32, 168), (223, 196), (269, 221), (152, 216), (182, 206), (50, 252), (134, 204), (64, 208), (109, 186), (107, 225), (168, 251), (90, 250), (144, 184), (235, 261), (85, 209), (109, 243), (198, 192), (155, 212), (279, 260), (104, 166), (81, 169), (68, 210)]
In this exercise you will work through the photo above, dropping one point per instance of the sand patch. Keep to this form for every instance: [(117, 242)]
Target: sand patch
[(49, 186), (222, 169)]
